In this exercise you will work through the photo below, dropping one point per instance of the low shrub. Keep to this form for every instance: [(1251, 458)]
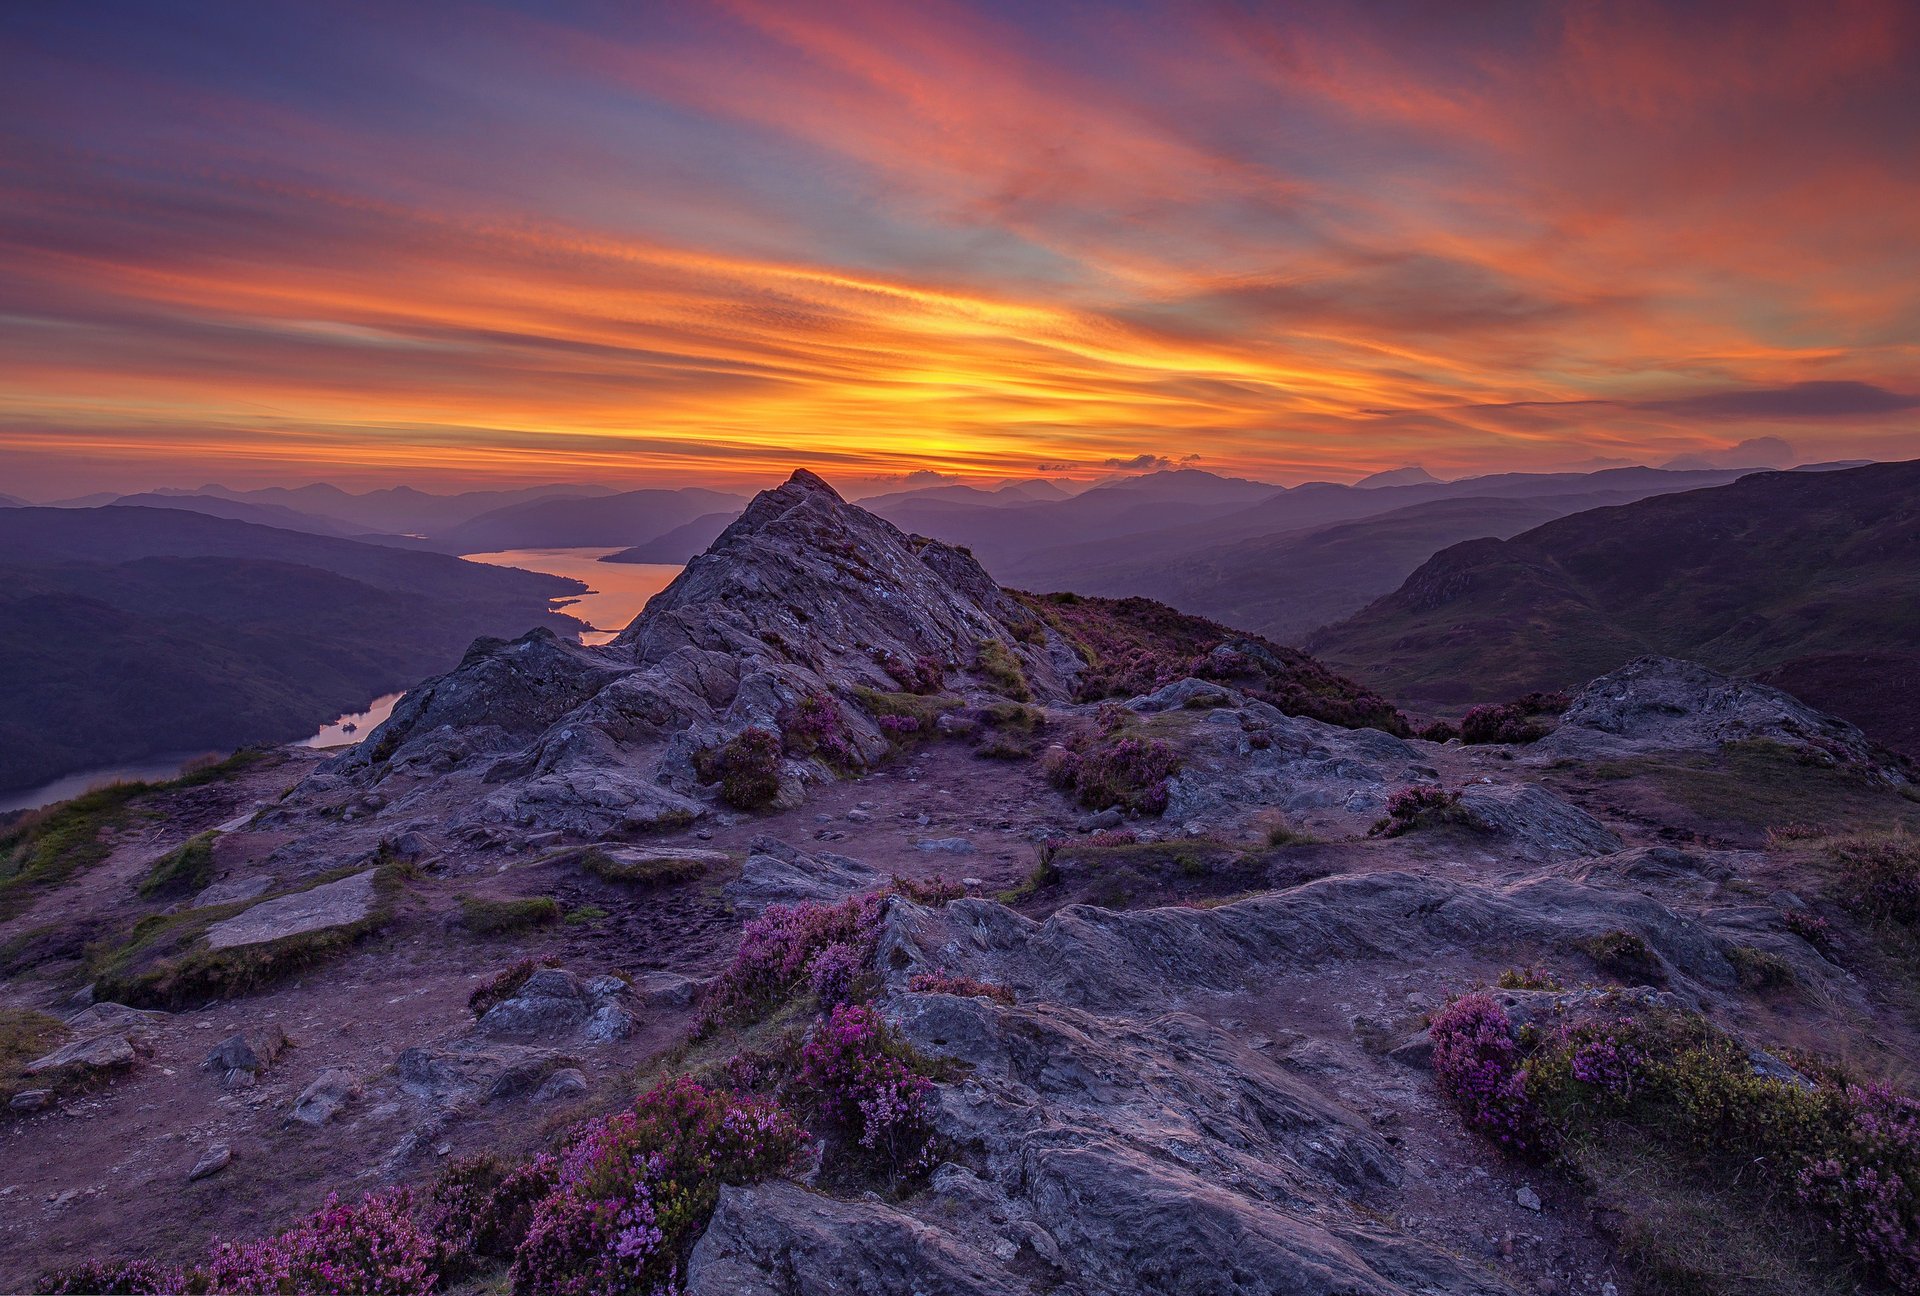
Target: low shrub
[(1880, 873), (632, 1192), (503, 917), (861, 1077), (503, 985), (115, 1278), (479, 1209), (1626, 956), (584, 916), (182, 871), (1503, 723), (811, 726), (1423, 806), (747, 767), (1003, 670), (1729, 1120), (922, 675), (1810, 927), (1438, 732), (947, 983), (374, 1246), (1477, 1062), (778, 948), (1117, 771), (1528, 978), (1760, 970), (903, 715)]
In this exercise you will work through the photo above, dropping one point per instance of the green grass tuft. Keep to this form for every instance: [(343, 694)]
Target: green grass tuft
[(182, 871), (503, 917)]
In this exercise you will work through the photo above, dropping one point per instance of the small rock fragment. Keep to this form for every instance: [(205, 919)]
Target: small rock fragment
[(1527, 1197), (212, 1162)]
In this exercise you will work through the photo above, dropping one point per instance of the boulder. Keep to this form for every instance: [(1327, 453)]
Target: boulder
[(246, 1052), (1662, 704), (322, 1100), (564, 1085), (337, 904), (1243, 761), (554, 1003), (234, 890), (1536, 823), (778, 873), (97, 1054)]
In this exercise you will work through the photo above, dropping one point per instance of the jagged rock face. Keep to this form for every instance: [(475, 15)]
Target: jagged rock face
[(803, 594), (1661, 704), (1245, 759), (1123, 1134)]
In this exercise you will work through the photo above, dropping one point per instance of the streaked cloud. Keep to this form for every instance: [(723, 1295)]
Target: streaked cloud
[(709, 242)]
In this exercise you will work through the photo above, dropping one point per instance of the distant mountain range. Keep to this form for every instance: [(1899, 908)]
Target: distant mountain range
[(130, 632), (1253, 555), (626, 518), (1808, 580)]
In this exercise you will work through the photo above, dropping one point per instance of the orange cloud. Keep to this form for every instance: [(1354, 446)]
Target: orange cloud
[(880, 238)]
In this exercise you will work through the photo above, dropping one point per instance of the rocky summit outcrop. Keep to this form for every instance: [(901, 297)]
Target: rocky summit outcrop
[(1661, 704), (804, 596)]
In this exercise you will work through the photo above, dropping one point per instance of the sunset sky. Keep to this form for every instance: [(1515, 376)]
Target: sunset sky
[(703, 243)]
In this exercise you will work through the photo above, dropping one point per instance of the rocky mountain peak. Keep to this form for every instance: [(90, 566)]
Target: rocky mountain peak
[(802, 603)]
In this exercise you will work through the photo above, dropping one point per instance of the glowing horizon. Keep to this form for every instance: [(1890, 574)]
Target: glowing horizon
[(706, 246)]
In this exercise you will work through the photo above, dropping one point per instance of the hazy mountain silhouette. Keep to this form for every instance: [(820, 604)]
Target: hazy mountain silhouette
[(1811, 580), (129, 632), (627, 518)]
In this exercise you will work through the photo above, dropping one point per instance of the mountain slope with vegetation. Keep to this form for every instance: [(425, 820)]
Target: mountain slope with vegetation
[(127, 633), (1810, 579)]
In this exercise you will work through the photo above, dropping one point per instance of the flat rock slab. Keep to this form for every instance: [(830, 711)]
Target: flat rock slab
[(234, 890), (101, 1053), (334, 904)]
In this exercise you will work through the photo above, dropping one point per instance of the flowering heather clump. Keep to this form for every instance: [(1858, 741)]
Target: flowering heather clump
[(859, 1078), (899, 726), (834, 973), (966, 987), (1114, 837), (1848, 1153), (748, 768), (1606, 1056), (633, 1190), (1505, 723), (374, 1246), (777, 948), (1421, 807), (1809, 927), (480, 1208), (921, 675), (1478, 1065), (1118, 773), (1882, 873), (1439, 731), (812, 727), (1868, 1189), (114, 1278)]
